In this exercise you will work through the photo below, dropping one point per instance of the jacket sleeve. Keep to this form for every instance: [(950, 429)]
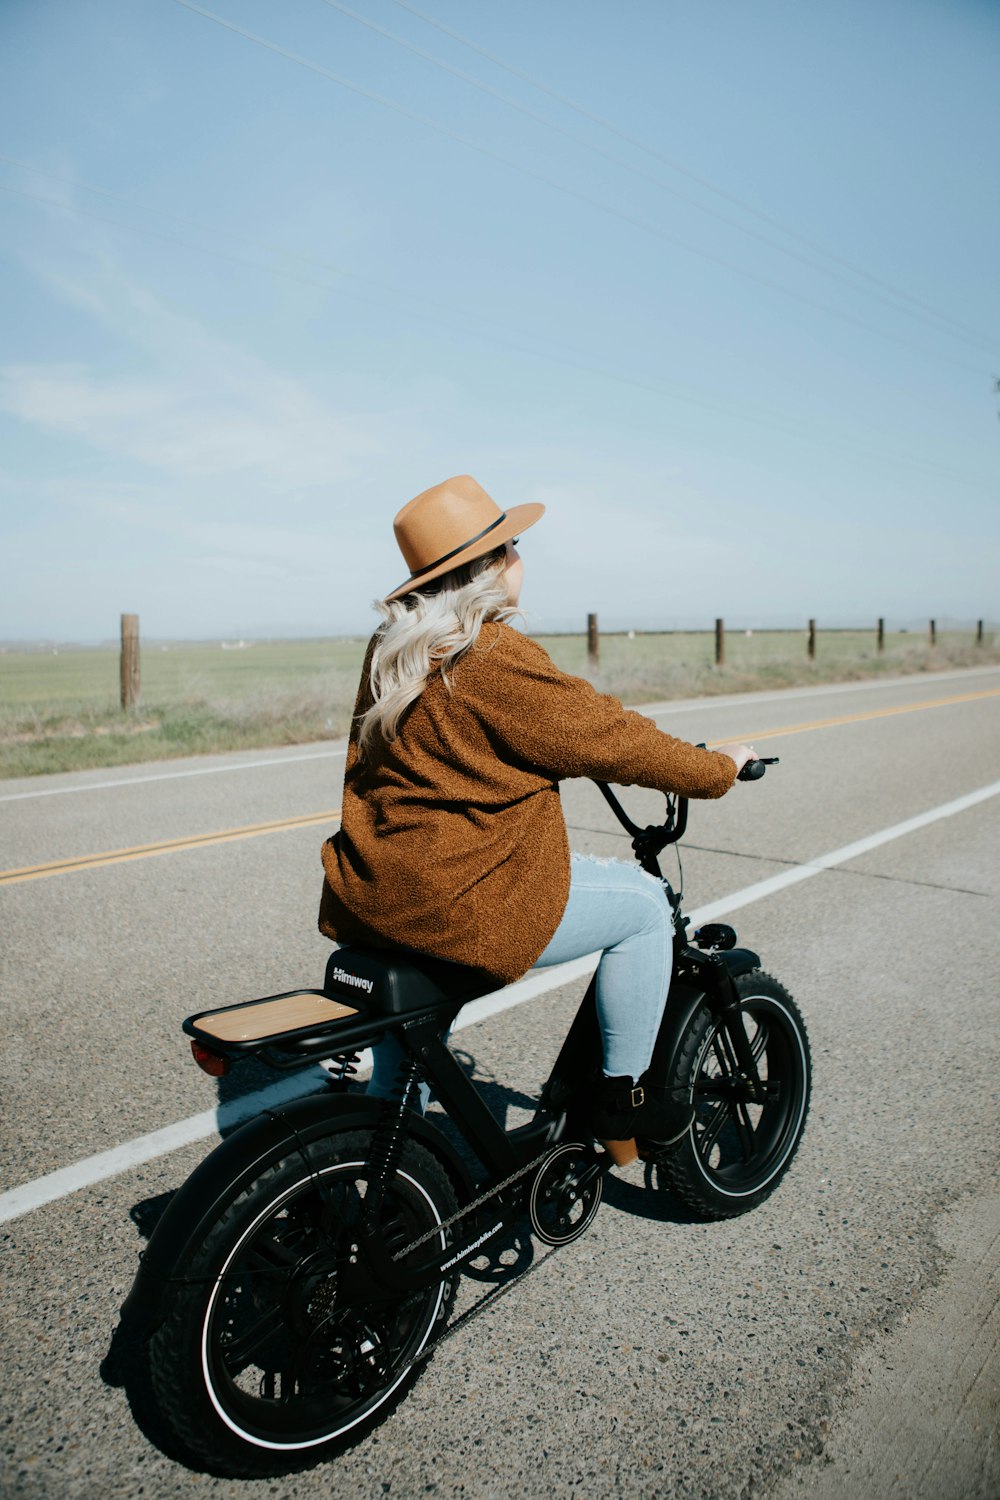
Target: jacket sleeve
[(564, 727)]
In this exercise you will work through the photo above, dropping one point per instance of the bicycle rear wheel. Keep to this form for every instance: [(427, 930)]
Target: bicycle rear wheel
[(264, 1362)]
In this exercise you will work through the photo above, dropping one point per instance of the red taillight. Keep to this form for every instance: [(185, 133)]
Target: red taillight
[(210, 1062)]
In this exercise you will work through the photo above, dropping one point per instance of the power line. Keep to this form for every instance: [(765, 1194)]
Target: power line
[(574, 193), (264, 246), (269, 248), (684, 171), (930, 319), (236, 260), (711, 401)]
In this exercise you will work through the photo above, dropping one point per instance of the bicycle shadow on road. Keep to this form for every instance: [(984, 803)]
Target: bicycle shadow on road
[(646, 1200), (125, 1366), (148, 1212), (254, 1077)]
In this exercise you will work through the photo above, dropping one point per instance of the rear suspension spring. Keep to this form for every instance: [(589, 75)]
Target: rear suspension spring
[(387, 1142), (341, 1069)]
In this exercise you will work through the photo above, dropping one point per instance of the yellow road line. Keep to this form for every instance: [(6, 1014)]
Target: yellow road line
[(165, 846), (255, 830), (875, 713)]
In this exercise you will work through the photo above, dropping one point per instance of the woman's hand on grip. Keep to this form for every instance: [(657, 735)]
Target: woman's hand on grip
[(739, 753)]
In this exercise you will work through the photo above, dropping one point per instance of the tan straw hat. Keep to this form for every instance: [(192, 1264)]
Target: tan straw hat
[(450, 524)]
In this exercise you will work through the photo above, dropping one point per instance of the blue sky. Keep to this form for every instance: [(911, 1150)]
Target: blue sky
[(721, 292)]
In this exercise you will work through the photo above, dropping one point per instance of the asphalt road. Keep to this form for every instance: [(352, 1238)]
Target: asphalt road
[(841, 1340)]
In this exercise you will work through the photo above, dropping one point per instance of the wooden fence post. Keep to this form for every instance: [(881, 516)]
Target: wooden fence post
[(933, 633), (811, 644), (720, 643), (593, 642), (130, 661), (881, 633), (979, 633)]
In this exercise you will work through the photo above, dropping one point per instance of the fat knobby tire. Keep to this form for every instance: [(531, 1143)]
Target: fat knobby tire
[(259, 1368), (734, 1156)]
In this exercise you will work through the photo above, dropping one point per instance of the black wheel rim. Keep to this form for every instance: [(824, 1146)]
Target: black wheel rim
[(288, 1363), (741, 1145)]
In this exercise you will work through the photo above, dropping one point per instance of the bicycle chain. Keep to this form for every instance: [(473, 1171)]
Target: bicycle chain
[(470, 1208), (471, 1313), (496, 1292)]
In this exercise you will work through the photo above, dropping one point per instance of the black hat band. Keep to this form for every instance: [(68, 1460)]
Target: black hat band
[(456, 550)]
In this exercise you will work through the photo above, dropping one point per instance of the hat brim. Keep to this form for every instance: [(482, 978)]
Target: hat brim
[(517, 519)]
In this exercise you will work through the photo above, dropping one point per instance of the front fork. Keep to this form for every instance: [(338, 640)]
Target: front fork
[(724, 1000)]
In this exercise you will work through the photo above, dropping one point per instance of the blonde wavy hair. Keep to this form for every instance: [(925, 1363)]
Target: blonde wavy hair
[(427, 631)]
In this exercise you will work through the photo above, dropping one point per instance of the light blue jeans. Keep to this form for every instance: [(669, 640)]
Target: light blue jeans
[(618, 908)]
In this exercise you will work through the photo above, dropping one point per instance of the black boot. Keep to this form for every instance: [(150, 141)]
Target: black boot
[(623, 1109)]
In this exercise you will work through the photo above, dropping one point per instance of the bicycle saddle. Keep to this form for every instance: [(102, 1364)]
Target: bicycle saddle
[(398, 981)]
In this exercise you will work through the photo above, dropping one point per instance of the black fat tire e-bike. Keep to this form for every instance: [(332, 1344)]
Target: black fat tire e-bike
[(294, 1286)]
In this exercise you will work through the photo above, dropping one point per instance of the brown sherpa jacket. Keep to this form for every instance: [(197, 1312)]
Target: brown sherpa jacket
[(453, 841)]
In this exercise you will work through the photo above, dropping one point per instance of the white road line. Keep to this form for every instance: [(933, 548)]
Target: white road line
[(822, 690), (100, 786), (93, 1169), (841, 856), (685, 706), (55, 1185)]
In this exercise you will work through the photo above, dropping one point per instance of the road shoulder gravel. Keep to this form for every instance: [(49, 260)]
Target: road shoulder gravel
[(920, 1417)]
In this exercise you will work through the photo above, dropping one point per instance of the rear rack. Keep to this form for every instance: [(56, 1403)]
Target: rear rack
[(291, 1019), (286, 1030)]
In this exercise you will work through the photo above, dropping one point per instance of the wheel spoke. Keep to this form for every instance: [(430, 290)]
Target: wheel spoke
[(758, 1047), (240, 1351), (712, 1131), (396, 1232), (269, 1256), (744, 1130), (722, 1047), (728, 1111), (340, 1211), (733, 1068), (707, 1090), (759, 1044)]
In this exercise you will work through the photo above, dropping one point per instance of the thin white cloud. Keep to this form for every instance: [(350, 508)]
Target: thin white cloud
[(227, 495), (228, 424), (193, 404)]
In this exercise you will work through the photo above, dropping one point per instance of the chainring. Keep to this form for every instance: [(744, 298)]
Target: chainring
[(565, 1194)]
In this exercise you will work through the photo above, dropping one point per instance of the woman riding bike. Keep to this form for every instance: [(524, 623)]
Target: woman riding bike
[(452, 839)]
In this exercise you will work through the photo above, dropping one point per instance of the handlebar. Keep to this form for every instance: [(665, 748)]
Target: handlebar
[(651, 840)]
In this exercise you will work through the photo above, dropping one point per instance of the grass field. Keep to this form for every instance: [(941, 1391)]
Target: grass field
[(59, 711)]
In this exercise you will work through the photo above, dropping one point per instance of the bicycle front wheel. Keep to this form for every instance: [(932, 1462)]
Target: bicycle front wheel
[(264, 1363), (738, 1149)]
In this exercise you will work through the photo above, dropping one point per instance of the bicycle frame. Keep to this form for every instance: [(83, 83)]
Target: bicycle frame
[(511, 1159), (506, 1156)]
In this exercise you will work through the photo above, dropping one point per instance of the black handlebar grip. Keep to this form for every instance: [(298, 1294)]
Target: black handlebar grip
[(754, 769)]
